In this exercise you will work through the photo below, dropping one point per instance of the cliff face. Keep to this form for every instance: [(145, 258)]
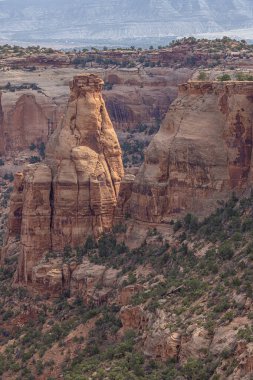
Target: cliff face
[(74, 193), (202, 153), (30, 116), (141, 96), (28, 121)]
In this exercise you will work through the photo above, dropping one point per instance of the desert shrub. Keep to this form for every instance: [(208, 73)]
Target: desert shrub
[(202, 76), (108, 86), (106, 245), (34, 159), (41, 149), (246, 333), (32, 147), (226, 251), (9, 177), (224, 78), (119, 228), (222, 305), (191, 222), (177, 225), (244, 77)]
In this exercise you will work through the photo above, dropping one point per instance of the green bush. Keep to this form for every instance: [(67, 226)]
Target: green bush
[(246, 333), (32, 147), (202, 76), (224, 78), (226, 252), (41, 149), (106, 245), (9, 177), (222, 305), (195, 369), (34, 160)]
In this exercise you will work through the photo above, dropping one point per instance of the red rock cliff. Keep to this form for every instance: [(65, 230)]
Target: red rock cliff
[(202, 153), (30, 120)]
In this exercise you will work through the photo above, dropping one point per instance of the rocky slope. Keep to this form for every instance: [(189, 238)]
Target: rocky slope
[(201, 154), (78, 302), (172, 308), (74, 193)]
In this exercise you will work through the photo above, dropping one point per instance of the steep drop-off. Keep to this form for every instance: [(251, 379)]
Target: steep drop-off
[(202, 153), (74, 193)]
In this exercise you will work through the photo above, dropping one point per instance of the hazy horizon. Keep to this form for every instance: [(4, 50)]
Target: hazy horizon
[(126, 22)]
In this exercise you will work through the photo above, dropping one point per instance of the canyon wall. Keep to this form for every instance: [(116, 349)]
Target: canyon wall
[(30, 115), (142, 96), (27, 120), (202, 153), (74, 193)]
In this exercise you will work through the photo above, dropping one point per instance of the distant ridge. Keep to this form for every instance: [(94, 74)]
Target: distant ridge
[(114, 22)]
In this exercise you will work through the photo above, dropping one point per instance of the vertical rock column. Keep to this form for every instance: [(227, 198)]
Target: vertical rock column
[(74, 193)]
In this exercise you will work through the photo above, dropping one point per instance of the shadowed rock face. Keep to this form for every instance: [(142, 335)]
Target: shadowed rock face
[(202, 153), (25, 123), (74, 193)]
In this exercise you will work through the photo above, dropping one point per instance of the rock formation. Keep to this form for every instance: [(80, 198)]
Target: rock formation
[(30, 120), (94, 284), (141, 96), (74, 193), (202, 153), (134, 318)]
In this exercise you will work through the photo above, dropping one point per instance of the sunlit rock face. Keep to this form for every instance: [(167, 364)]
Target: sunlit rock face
[(202, 153), (74, 193)]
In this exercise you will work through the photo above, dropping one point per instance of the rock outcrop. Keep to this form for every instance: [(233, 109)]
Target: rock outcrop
[(74, 193), (134, 318), (30, 120), (202, 153), (92, 283)]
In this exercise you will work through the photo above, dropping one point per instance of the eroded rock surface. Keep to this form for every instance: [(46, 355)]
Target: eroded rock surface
[(202, 153), (29, 120), (74, 193)]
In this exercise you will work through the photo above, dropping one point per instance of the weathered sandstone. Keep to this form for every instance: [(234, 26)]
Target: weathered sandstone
[(137, 96), (29, 120), (74, 193), (163, 345), (202, 153), (195, 344), (94, 284), (134, 318)]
